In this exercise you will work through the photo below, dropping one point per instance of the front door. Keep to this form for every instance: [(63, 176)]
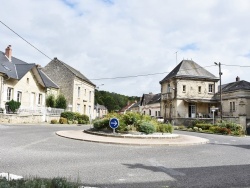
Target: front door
[(192, 110)]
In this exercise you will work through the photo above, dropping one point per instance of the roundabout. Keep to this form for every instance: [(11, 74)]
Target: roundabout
[(133, 139)]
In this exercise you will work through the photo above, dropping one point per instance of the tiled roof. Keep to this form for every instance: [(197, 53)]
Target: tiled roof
[(17, 68), (155, 99), (74, 71), (190, 69), (238, 85)]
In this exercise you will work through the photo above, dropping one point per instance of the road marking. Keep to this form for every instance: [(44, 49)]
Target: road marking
[(34, 143), (169, 171)]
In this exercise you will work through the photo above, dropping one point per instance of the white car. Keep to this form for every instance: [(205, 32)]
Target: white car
[(160, 119)]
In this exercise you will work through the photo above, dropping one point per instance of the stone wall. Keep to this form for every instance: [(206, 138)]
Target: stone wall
[(14, 118)]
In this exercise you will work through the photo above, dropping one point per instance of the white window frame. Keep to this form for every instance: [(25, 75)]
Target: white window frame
[(40, 97), (210, 88), (9, 93), (89, 96), (79, 92), (19, 96)]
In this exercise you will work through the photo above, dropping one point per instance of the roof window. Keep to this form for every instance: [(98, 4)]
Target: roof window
[(6, 68)]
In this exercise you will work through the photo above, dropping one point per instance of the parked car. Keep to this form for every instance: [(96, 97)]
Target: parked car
[(160, 119)]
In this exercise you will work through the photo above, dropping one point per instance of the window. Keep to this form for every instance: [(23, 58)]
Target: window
[(40, 97), (169, 88), (78, 107), (28, 80), (210, 88), (199, 89), (84, 109), (85, 91), (155, 113), (149, 112), (9, 93), (89, 96), (184, 88), (232, 106), (19, 96), (79, 92)]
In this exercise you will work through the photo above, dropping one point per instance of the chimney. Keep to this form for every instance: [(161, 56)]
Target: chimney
[(237, 78), (8, 52), (38, 66)]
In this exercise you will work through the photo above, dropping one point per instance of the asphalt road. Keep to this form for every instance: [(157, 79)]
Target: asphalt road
[(35, 150)]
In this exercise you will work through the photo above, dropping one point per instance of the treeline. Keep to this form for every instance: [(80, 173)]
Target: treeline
[(113, 101)]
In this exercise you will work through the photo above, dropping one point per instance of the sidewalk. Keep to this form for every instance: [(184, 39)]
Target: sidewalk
[(175, 140)]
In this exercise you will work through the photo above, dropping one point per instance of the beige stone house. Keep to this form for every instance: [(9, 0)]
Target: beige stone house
[(150, 104), (236, 98), (188, 91), (100, 111), (78, 90), (23, 82)]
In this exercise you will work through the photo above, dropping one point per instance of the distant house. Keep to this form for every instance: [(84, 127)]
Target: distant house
[(150, 104), (236, 98), (135, 107), (78, 90), (127, 107), (23, 82), (100, 111), (188, 91)]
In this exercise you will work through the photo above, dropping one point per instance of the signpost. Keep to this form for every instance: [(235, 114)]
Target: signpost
[(213, 110), (113, 123)]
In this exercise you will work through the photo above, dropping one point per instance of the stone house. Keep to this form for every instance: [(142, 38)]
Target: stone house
[(100, 111), (23, 82), (135, 107), (78, 90), (150, 104), (188, 91), (236, 98)]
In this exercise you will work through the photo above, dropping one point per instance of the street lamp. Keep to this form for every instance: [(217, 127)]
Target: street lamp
[(220, 73)]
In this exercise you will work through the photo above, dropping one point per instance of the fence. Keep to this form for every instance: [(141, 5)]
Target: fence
[(40, 111)]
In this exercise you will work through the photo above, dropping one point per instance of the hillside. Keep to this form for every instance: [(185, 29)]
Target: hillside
[(113, 101)]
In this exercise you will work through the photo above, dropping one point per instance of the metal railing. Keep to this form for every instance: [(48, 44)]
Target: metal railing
[(166, 96), (40, 111)]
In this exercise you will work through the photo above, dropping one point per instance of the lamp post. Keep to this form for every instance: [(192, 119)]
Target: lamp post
[(220, 73)]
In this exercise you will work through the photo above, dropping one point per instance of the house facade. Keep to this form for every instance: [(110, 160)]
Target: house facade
[(236, 98), (188, 91), (78, 90), (100, 111), (23, 82), (150, 104)]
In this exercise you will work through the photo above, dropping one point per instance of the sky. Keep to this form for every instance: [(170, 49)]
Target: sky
[(109, 39)]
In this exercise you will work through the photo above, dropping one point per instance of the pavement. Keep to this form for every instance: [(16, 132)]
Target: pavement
[(129, 139)]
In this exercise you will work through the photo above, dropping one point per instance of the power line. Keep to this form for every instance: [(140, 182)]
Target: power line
[(142, 75), (26, 41), (235, 65)]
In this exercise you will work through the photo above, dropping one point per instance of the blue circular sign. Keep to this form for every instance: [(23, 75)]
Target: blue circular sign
[(113, 123)]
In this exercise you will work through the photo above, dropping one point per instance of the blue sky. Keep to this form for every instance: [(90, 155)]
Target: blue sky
[(119, 38)]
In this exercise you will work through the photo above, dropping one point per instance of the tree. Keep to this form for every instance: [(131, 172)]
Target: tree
[(13, 105), (61, 102), (51, 101)]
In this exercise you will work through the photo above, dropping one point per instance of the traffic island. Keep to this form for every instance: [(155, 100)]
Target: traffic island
[(129, 139)]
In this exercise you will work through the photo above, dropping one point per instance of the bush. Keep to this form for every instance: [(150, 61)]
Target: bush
[(13, 105), (196, 129), (165, 128), (147, 127), (101, 124), (82, 119), (203, 126), (68, 115), (53, 121), (61, 102), (122, 126), (51, 101), (63, 120)]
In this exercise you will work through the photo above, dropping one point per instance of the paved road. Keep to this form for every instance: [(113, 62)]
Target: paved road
[(35, 150)]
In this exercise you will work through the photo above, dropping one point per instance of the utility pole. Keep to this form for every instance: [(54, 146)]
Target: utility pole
[(220, 73), (176, 57)]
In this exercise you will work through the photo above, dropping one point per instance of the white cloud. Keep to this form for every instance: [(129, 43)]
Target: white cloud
[(116, 38)]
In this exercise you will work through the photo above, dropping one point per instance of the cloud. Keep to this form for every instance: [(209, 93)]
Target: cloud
[(114, 38)]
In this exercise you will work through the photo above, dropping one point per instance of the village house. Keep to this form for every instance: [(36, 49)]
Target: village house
[(150, 104), (78, 90), (188, 91), (23, 82), (100, 111)]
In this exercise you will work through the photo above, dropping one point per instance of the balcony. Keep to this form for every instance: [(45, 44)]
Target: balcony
[(166, 96)]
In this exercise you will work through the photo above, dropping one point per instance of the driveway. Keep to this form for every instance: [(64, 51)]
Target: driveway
[(35, 150)]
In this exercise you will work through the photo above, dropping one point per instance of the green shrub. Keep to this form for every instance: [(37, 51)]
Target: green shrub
[(70, 116), (51, 101), (61, 102), (13, 105), (200, 129), (82, 118), (122, 126), (196, 129), (63, 120), (165, 128), (147, 127), (101, 124), (203, 126), (182, 127), (53, 121)]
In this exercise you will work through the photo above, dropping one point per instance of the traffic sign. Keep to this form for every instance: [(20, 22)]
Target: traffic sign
[(113, 123)]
